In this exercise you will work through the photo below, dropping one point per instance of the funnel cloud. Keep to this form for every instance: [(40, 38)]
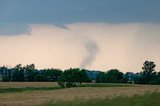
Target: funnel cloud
[(91, 51)]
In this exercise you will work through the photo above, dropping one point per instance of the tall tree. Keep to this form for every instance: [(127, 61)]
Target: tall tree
[(18, 73), (30, 72), (148, 74)]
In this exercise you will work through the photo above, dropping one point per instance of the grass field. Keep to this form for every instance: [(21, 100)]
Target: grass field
[(151, 99), (37, 93), (26, 84)]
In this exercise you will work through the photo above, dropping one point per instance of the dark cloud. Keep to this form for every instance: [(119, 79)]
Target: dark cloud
[(60, 12)]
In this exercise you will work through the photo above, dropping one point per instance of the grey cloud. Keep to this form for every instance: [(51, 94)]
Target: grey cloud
[(14, 29)]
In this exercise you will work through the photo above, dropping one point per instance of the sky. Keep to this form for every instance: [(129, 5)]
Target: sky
[(91, 34)]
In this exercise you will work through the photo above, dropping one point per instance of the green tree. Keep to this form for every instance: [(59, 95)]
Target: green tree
[(72, 76), (114, 76), (158, 78), (101, 77), (40, 77), (5, 74), (69, 78), (30, 72), (148, 75), (82, 76), (18, 73), (52, 74)]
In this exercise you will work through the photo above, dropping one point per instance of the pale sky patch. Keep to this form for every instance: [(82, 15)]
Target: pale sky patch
[(121, 46)]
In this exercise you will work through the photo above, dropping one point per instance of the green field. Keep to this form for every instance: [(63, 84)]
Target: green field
[(151, 99), (49, 93)]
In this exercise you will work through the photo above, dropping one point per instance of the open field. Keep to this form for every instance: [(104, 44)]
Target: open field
[(148, 99), (37, 97), (26, 84)]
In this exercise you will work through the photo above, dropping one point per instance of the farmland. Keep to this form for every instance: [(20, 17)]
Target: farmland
[(29, 97)]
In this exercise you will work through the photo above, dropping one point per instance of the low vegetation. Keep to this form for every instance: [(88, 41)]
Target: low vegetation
[(10, 90), (30, 88), (105, 85), (136, 100), (37, 93), (27, 84)]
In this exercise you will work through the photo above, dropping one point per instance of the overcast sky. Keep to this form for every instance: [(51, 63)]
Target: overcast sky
[(91, 34)]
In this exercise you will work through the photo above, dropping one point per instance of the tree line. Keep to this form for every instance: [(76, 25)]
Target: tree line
[(73, 76), (29, 73), (148, 75)]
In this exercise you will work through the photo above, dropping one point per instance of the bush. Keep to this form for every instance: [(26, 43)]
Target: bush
[(61, 84), (70, 77), (64, 84)]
